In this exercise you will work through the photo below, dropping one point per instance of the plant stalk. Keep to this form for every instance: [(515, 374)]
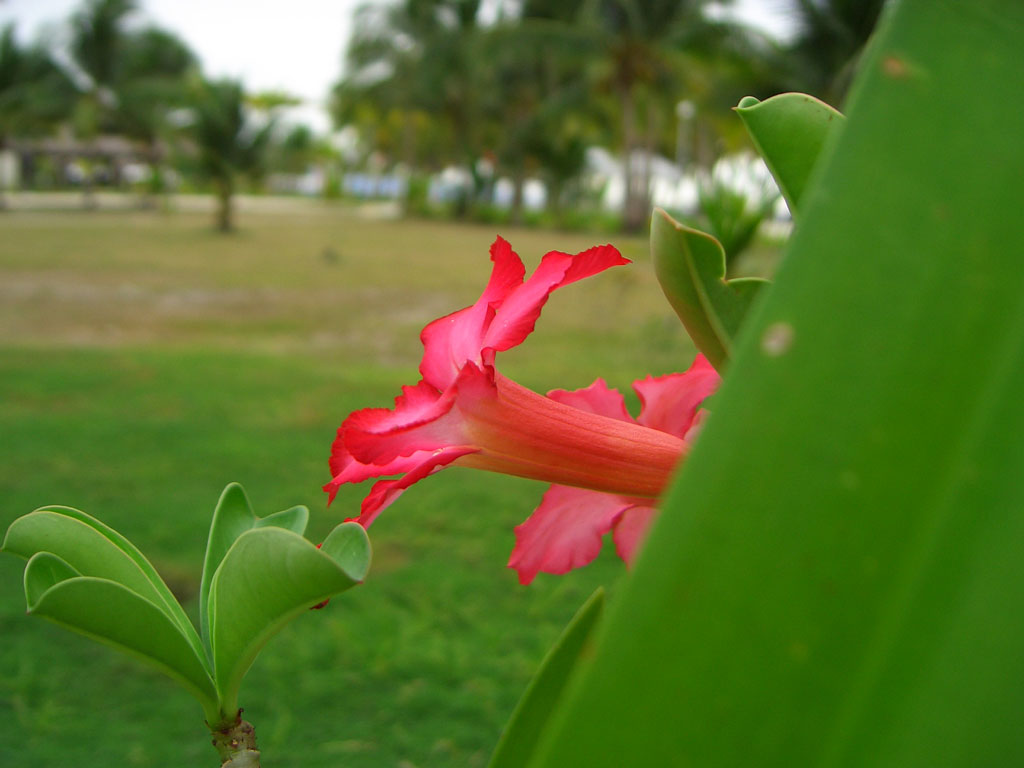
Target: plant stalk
[(236, 744)]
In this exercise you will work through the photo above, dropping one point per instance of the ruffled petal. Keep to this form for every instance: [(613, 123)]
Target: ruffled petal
[(345, 468), (631, 530), (451, 341), (670, 403), (515, 319), (379, 436), (565, 531), (591, 261), (415, 405), (387, 491), (598, 398)]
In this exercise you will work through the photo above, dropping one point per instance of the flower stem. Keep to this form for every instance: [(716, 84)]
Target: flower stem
[(236, 744)]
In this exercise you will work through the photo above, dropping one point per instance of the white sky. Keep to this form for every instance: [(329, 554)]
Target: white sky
[(289, 45)]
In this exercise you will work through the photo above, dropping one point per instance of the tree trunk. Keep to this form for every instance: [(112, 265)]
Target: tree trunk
[(224, 189), (89, 202), (555, 189), (643, 194), (3, 180), (626, 107), (153, 187), (516, 210), (634, 214)]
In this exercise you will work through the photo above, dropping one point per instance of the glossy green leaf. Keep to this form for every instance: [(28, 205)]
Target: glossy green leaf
[(790, 131), (232, 517), (268, 577), (94, 549), (293, 519), (42, 572), (690, 266), (349, 547), (114, 615), (837, 578), (522, 733)]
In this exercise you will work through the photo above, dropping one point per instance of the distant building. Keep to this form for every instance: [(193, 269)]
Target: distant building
[(105, 159)]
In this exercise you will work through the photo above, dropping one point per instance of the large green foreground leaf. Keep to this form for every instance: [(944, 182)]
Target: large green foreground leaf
[(838, 576)]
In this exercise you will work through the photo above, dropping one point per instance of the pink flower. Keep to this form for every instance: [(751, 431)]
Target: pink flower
[(464, 412), (565, 531)]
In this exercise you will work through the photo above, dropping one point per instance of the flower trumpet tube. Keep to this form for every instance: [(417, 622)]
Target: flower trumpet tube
[(566, 530), (463, 412), (504, 427)]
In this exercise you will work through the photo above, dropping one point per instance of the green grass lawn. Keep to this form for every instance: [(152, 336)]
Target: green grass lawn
[(146, 361)]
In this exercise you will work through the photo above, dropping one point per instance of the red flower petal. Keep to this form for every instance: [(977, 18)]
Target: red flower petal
[(386, 491), (598, 398), (515, 319), (670, 403), (347, 470), (380, 436), (631, 530), (451, 341), (565, 531)]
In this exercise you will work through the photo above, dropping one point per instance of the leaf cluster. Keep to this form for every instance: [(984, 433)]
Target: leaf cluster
[(228, 141), (258, 574), (34, 92)]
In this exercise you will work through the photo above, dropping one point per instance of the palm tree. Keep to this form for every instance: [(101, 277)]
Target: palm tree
[(151, 85), (417, 59), (34, 93), (637, 59), (649, 51), (830, 37), (541, 117), (97, 39), (133, 78), (230, 146)]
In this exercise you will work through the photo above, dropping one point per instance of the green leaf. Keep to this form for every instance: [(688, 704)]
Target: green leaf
[(232, 517), (789, 130), (293, 519), (112, 614), (523, 731), (45, 571), (349, 547), (837, 577), (268, 577), (690, 266), (94, 549)]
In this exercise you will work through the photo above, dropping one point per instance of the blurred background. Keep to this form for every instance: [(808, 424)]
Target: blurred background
[(564, 113), (363, 158)]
